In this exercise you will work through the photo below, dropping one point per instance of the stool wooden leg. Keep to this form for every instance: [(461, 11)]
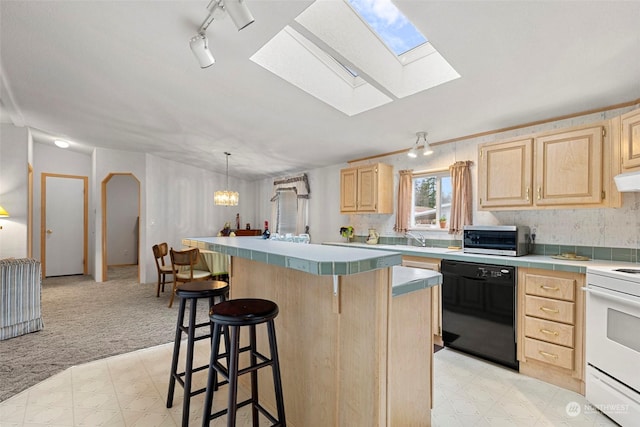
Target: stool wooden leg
[(186, 400), (176, 354), (277, 382), (212, 379), (254, 375), (233, 375)]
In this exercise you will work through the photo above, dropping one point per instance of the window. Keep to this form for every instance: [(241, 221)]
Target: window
[(431, 199), (287, 212), (395, 30)]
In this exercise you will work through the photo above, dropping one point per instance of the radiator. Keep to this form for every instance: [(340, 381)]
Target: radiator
[(20, 297)]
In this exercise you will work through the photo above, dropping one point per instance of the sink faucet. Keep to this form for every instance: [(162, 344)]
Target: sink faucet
[(418, 238)]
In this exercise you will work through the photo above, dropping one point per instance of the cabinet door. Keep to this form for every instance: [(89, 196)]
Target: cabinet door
[(631, 140), (367, 195), (569, 167), (504, 175), (348, 189)]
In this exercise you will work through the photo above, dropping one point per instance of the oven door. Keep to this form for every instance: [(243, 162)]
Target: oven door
[(613, 341)]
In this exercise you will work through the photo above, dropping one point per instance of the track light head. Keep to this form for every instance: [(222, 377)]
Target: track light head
[(239, 12), (200, 47)]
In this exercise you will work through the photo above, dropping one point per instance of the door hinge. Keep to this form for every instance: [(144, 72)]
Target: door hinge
[(603, 195), (481, 200), (604, 132), (481, 151)]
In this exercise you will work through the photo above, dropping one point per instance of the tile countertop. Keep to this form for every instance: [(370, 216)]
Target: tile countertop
[(532, 261), (310, 258), (408, 279)]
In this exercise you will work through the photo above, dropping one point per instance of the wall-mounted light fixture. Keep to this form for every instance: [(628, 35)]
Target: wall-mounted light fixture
[(226, 197), (426, 148), (61, 143), (240, 15)]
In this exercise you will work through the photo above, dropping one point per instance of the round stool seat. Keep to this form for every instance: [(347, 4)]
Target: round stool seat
[(244, 311), (211, 288)]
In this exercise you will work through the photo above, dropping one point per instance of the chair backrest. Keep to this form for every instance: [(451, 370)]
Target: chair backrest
[(188, 257), (159, 252)]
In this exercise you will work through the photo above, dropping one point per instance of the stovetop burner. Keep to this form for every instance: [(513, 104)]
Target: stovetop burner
[(628, 270)]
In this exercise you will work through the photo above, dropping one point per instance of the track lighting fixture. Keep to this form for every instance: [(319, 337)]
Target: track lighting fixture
[(200, 47), (240, 15), (426, 148)]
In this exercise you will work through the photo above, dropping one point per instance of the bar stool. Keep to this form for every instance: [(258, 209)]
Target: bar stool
[(191, 291), (234, 314)]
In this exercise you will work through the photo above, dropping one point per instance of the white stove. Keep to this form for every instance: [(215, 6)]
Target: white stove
[(613, 341)]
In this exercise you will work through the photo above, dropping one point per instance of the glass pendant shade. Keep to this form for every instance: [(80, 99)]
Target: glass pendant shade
[(226, 198)]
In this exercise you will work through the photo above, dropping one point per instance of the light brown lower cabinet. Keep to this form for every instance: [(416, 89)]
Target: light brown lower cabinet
[(436, 293), (551, 307)]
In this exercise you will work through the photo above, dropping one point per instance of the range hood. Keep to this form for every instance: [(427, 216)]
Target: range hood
[(628, 182)]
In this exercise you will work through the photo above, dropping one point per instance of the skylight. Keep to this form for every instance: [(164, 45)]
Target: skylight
[(395, 30)]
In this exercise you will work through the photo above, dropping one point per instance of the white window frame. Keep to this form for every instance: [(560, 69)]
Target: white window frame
[(439, 208)]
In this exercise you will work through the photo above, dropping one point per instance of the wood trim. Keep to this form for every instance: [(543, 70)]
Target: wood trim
[(29, 210), (43, 217), (103, 236), (509, 128)]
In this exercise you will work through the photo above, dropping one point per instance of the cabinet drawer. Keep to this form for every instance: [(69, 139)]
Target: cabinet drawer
[(545, 330), (550, 309), (549, 353), (551, 287)]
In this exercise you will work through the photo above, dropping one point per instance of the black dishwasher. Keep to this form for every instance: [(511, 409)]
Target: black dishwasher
[(479, 310)]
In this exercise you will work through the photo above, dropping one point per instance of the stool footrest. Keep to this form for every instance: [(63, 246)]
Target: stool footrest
[(259, 407)]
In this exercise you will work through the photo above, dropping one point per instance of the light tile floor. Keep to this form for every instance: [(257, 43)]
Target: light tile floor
[(472, 392), (131, 389)]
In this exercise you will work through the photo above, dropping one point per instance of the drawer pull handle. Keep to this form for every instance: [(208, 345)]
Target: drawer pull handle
[(549, 288), (550, 310), (544, 353), (548, 332)]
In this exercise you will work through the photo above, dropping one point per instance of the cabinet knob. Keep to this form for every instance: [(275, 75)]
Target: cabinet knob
[(550, 310), (49, 231), (548, 332), (549, 288)]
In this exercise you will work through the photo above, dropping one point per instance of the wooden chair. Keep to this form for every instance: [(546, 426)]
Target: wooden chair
[(183, 264), (159, 252)]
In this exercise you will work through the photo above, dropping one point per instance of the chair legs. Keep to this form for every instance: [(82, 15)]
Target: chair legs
[(173, 293)]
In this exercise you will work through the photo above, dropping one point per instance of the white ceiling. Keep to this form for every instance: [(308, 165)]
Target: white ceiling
[(120, 74)]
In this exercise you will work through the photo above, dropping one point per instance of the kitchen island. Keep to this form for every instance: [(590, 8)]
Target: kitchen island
[(354, 329)]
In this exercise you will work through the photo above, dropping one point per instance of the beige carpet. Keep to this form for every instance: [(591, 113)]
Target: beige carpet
[(85, 321)]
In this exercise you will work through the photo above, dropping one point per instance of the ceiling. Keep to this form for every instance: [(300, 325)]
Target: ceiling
[(120, 75)]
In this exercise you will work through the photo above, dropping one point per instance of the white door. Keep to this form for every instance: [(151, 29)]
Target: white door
[(64, 237)]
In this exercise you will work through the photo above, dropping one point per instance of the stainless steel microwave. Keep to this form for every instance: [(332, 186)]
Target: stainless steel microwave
[(509, 240)]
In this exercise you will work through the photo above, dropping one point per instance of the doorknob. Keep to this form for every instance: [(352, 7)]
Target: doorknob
[(49, 231)]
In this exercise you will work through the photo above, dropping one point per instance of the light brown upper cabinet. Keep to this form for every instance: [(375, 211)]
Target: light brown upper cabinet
[(630, 141), (568, 168), (367, 189), (504, 174)]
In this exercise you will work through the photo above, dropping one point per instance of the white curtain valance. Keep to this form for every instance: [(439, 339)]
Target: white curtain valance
[(299, 184)]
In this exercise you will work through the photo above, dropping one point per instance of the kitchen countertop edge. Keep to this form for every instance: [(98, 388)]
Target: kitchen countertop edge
[(530, 261)]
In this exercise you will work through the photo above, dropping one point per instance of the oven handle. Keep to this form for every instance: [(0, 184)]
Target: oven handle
[(630, 299)]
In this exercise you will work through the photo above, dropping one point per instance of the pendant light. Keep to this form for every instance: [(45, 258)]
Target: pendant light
[(226, 197)]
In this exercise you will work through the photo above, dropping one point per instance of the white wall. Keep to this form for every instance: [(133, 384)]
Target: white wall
[(14, 148), (48, 158), (122, 220), (179, 203), (583, 227)]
